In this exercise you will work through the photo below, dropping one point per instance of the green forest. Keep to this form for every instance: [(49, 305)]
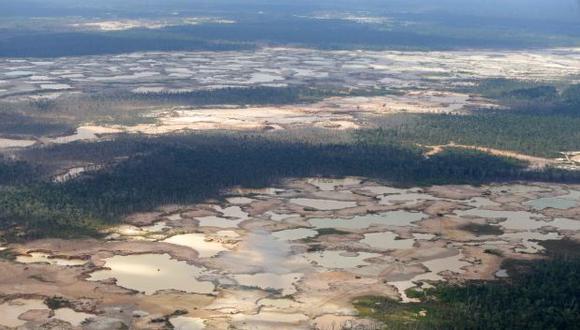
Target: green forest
[(532, 97), (529, 134), (50, 117), (192, 167), (540, 294), (259, 95), (542, 120)]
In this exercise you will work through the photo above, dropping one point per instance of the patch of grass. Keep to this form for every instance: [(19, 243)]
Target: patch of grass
[(389, 311), (494, 252), (416, 293), (482, 229), (178, 312), (331, 231), (315, 247), (57, 302), (8, 255), (165, 319)]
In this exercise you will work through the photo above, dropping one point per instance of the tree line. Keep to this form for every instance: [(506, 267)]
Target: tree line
[(192, 167)]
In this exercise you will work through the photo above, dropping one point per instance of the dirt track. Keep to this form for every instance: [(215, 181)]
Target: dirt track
[(535, 162)]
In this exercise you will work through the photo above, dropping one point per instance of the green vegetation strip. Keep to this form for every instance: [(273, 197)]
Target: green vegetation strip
[(541, 295), (536, 135), (191, 168)]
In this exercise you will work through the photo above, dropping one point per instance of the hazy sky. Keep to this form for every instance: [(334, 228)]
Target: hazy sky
[(536, 9)]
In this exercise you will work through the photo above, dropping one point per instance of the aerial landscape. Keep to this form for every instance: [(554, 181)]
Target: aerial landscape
[(261, 164)]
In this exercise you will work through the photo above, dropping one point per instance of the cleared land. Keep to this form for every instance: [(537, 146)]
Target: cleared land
[(260, 258)]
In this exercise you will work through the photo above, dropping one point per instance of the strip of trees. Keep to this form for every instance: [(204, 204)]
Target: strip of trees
[(191, 168)]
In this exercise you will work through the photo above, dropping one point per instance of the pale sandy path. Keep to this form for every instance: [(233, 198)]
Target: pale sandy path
[(535, 162)]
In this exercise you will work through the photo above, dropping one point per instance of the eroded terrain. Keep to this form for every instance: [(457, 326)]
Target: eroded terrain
[(435, 82), (290, 257), (173, 72)]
